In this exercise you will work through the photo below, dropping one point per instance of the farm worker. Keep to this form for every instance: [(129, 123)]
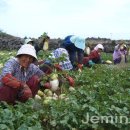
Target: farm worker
[(55, 56), (29, 41), (20, 77), (75, 46), (94, 57), (43, 43), (120, 53), (65, 64), (128, 53)]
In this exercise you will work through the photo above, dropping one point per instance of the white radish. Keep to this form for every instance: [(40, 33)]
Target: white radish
[(71, 88), (37, 97), (54, 84), (48, 92), (62, 96)]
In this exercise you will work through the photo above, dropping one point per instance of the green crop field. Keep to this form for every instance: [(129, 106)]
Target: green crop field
[(100, 101)]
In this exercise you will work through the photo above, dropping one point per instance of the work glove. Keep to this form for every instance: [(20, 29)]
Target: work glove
[(80, 66), (91, 63), (71, 81), (47, 85), (58, 67), (11, 81), (24, 93)]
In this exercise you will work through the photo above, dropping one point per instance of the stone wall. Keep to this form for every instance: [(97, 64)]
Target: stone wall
[(8, 42)]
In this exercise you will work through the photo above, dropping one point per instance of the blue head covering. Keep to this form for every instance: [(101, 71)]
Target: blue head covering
[(78, 42)]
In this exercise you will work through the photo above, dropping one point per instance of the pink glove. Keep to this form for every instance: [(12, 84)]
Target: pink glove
[(71, 81), (80, 66), (58, 67), (47, 85)]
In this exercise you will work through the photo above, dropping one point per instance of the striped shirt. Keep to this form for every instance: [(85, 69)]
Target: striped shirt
[(13, 67)]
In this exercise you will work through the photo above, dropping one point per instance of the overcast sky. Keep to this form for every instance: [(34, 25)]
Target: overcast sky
[(59, 18)]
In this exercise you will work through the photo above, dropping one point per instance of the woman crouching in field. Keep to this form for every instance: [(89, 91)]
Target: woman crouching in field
[(94, 57), (120, 54), (20, 77)]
